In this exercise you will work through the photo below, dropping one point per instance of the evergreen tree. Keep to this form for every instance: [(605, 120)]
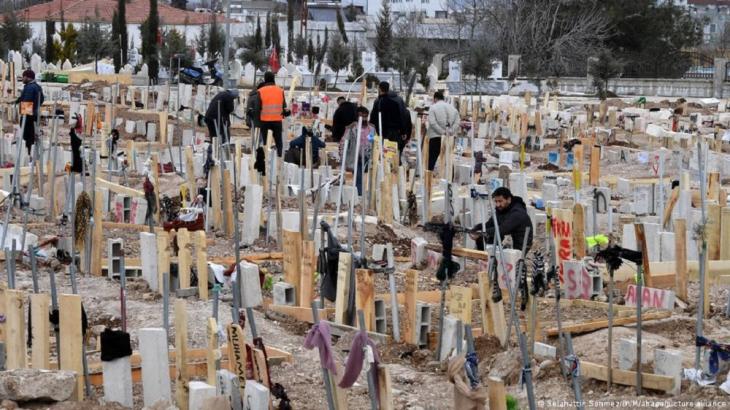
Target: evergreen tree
[(94, 42), (257, 35), (356, 58), (384, 37), (216, 39), (300, 48), (321, 52), (201, 42), (310, 55), (69, 38), (275, 36), (119, 35), (13, 33), (289, 30), (341, 25), (150, 32), (267, 37), (50, 31), (173, 46), (338, 56)]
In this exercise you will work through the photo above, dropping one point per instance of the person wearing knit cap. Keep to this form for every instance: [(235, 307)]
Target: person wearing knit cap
[(30, 100)]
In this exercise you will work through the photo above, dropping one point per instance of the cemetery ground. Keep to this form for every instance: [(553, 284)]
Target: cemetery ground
[(418, 380)]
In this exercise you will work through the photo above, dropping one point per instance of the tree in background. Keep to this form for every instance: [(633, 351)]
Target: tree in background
[(275, 36), (321, 53), (150, 36), (290, 30), (338, 56), (651, 38), (412, 55), (201, 41), (94, 42), (384, 37), (603, 68), (216, 39), (267, 35), (356, 59), (478, 61), (300, 48), (310, 54), (119, 35), (174, 47), (13, 33), (50, 50), (341, 25), (69, 43), (254, 50), (181, 4)]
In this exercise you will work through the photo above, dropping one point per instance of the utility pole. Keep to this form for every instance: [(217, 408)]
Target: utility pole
[(228, 44)]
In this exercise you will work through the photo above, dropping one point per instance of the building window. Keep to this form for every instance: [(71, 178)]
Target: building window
[(713, 27), (441, 14)]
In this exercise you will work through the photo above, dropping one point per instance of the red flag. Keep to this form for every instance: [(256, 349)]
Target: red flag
[(274, 61)]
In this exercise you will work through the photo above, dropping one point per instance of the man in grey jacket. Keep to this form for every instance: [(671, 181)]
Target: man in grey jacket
[(443, 119)]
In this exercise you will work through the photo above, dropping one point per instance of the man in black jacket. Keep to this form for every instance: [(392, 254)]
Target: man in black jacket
[(345, 114), (30, 100), (219, 110), (389, 107), (512, 218)]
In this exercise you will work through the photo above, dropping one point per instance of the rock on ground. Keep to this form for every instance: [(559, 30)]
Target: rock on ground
[(35, 384)]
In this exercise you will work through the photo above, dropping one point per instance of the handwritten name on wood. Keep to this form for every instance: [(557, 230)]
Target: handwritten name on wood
[(651, 297), (562, 227), (578, 283), (237, 354)]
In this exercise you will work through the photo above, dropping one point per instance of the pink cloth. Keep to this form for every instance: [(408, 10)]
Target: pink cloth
[(319, 337), (354, 362)]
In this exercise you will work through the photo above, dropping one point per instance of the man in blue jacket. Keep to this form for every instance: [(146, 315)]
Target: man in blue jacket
[(30, 100)]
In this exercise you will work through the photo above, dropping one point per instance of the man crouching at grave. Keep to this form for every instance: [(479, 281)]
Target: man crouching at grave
[(512, 218), (30, 100), (218, 115)]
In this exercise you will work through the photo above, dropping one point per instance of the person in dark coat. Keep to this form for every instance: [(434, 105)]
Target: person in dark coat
[(512, 218), (300, 143), (220, 109), (30, 100), (345, 114), (77, 127), (396, 119)]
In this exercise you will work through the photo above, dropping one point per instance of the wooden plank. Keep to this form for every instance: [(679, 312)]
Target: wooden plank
[(261, 371), (184, 257), (713, 186), (228, 203), (459, 298), (713, 231), (497, 396), (586, 327), (409, 309), (212, 351), (300, 313), (201, 263), (97, 234), (343, 286), (309, 265), (123, 225), (595, 170), (673, 198), (725, 233), (113, 187), (364, 296), (641, 240), (181, 345), (189, 173), (579, 236), (562, 228), (484, 293), (40, 331), (680, 255), (292, 248), (163, 256), (215, 195), (385, 388), (626, 377), (237, 355), (15, 348), (428, 187), (69, 307)]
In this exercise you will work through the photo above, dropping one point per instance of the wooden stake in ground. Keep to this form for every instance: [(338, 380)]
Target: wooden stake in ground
[(579, 236), (15, 348), (40, 328), (680, 257), (484, 295), (184, 255), (409, 307), (72, 340), (497, 396), (201, 263), (343, 287), (309, 265), (364, 297), (181, 349), (212, 352), (292, 248), (237, 355)]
